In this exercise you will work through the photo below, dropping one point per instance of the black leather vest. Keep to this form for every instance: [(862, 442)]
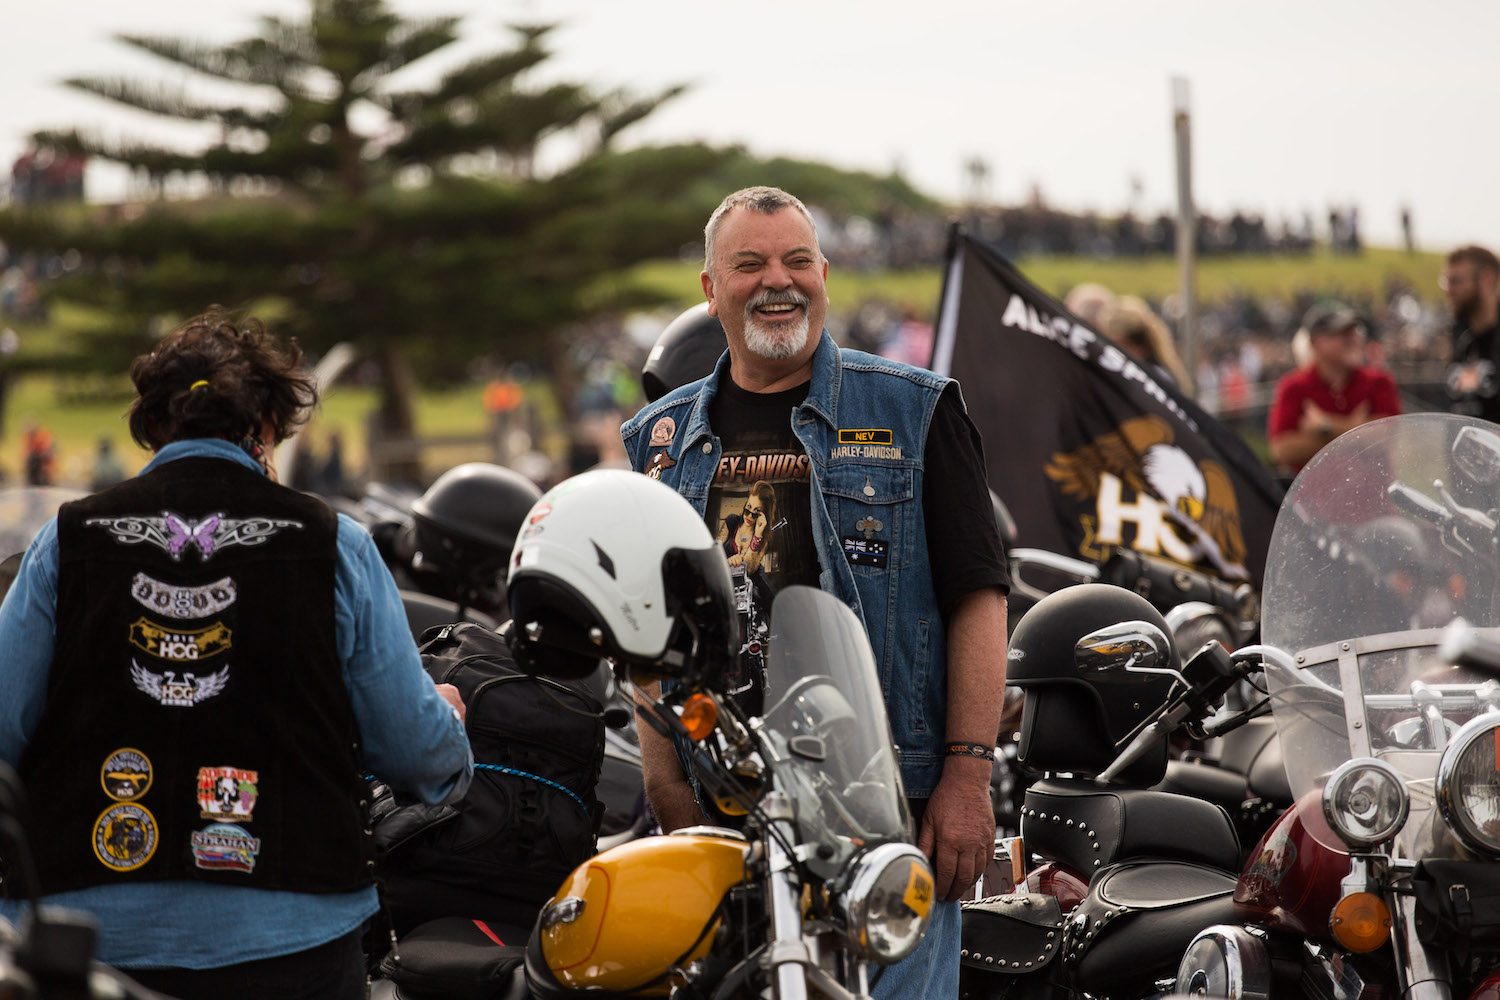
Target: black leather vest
[(197, 725)]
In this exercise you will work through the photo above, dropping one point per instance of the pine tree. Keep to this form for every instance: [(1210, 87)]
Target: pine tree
[(410, 221)]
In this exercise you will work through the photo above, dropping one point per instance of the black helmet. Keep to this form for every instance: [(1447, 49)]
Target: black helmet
[(686, 351), (466, 523), (1076, 717)]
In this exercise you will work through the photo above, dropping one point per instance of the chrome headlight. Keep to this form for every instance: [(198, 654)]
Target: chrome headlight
[(1365, 802), (1468, 785), (885, 899)]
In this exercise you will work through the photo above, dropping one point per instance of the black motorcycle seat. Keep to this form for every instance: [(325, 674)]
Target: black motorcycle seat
[(1205, 781), (1268, 775), (1087, 828), (1254, 750), (459, 958), (1139, 918)]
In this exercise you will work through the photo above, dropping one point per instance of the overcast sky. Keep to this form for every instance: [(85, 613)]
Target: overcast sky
[(1296, 105)]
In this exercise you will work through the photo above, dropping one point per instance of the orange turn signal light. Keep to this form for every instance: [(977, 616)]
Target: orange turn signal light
[(1361, 922), (699, 713)]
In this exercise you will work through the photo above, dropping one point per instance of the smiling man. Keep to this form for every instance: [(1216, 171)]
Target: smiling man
[(880, 499)]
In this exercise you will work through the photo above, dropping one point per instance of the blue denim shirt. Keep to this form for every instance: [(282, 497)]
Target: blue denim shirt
[(864, 428), (409, 735)]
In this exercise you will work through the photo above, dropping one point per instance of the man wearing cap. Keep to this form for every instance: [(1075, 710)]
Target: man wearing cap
[(1334, 391), (1469, 281)]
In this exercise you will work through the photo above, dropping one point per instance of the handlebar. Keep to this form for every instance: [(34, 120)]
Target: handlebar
[(1463, 646), (1212, 672)]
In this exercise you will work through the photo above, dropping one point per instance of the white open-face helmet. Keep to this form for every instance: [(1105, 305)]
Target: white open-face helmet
[(613, 563)]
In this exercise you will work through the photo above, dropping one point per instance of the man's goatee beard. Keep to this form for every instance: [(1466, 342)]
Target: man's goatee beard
[(766, 341), (772, 345)]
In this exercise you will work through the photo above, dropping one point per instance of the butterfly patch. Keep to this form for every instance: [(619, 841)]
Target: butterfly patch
[(177, 535)]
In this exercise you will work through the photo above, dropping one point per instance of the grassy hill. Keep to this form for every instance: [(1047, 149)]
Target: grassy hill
[(79, 412), (1149, 277)]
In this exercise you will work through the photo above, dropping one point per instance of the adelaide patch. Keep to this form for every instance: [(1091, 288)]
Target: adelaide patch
[(126, 774), (225, 847), (227, 794), (873, 552), (182, 602), (124, 836), (662, 433), (180, 645)]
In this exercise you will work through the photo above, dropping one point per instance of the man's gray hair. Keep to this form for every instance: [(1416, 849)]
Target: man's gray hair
[(767, 201)]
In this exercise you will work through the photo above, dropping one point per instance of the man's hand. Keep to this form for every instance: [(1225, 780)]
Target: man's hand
[(451, 696), (1314, 417), (958, 829)]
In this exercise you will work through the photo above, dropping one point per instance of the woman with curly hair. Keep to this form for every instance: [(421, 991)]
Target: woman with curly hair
[(201, 666)]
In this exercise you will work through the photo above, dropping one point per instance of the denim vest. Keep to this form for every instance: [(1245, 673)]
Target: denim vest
[(864, 427)]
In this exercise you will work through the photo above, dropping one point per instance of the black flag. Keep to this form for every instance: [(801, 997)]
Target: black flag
[(1090, 450)]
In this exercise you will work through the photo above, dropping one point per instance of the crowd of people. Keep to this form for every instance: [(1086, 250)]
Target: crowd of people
[(217, 395)]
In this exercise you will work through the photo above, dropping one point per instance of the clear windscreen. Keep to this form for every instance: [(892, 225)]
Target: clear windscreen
[(1384, 538), (826, 726)]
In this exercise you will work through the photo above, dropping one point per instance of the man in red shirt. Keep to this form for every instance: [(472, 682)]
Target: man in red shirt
[(1334, 392)]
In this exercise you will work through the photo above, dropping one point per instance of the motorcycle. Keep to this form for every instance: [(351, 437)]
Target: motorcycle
[(1380, 664), (821, 882), (1239, 770), (1127, 873)]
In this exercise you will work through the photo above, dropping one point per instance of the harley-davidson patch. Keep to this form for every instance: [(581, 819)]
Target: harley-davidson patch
[(660, 462), (175, 534), (126, 774), (227, 794), (180, 646), (183, 602), (124, 836), (225, 847), (185, 692)]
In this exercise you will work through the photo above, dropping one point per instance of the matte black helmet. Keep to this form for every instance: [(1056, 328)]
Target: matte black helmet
[(1076, 716), (686, 351), (467, 521)]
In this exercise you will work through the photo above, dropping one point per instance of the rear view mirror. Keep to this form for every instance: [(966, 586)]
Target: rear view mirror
[(1477, 453), (1121, 646)]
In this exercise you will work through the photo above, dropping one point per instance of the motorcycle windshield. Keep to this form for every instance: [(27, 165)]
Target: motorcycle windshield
[(1379, 544), (23, 511), (827, 729)]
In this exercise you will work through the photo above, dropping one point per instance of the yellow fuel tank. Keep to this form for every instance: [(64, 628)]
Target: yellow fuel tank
[(625, 917)]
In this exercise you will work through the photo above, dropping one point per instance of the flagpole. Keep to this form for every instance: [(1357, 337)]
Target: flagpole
[(1187, 233)]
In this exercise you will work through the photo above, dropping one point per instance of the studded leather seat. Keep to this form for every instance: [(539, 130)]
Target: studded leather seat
[(1138, 920), (1086, 828)]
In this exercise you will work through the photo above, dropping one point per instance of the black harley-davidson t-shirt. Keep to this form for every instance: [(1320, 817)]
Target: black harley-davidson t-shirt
[(759, 508)]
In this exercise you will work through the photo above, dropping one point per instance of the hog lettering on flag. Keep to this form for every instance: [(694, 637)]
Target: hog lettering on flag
[(1090, 450)]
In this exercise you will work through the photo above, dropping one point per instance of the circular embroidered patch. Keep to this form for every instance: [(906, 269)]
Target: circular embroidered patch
[(125, 837), (126, 775)]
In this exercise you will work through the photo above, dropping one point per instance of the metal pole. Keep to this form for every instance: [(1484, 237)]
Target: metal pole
[(1187, 231)]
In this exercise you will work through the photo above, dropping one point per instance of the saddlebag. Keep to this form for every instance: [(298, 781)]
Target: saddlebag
[(1015, 934), (531, 814), (1458, 905), (1138, 920), (457, 959)]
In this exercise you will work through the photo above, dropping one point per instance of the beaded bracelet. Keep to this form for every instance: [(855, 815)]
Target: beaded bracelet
[(969, 750)]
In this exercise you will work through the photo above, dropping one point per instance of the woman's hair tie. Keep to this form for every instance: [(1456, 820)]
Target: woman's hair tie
[(198, 384)]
